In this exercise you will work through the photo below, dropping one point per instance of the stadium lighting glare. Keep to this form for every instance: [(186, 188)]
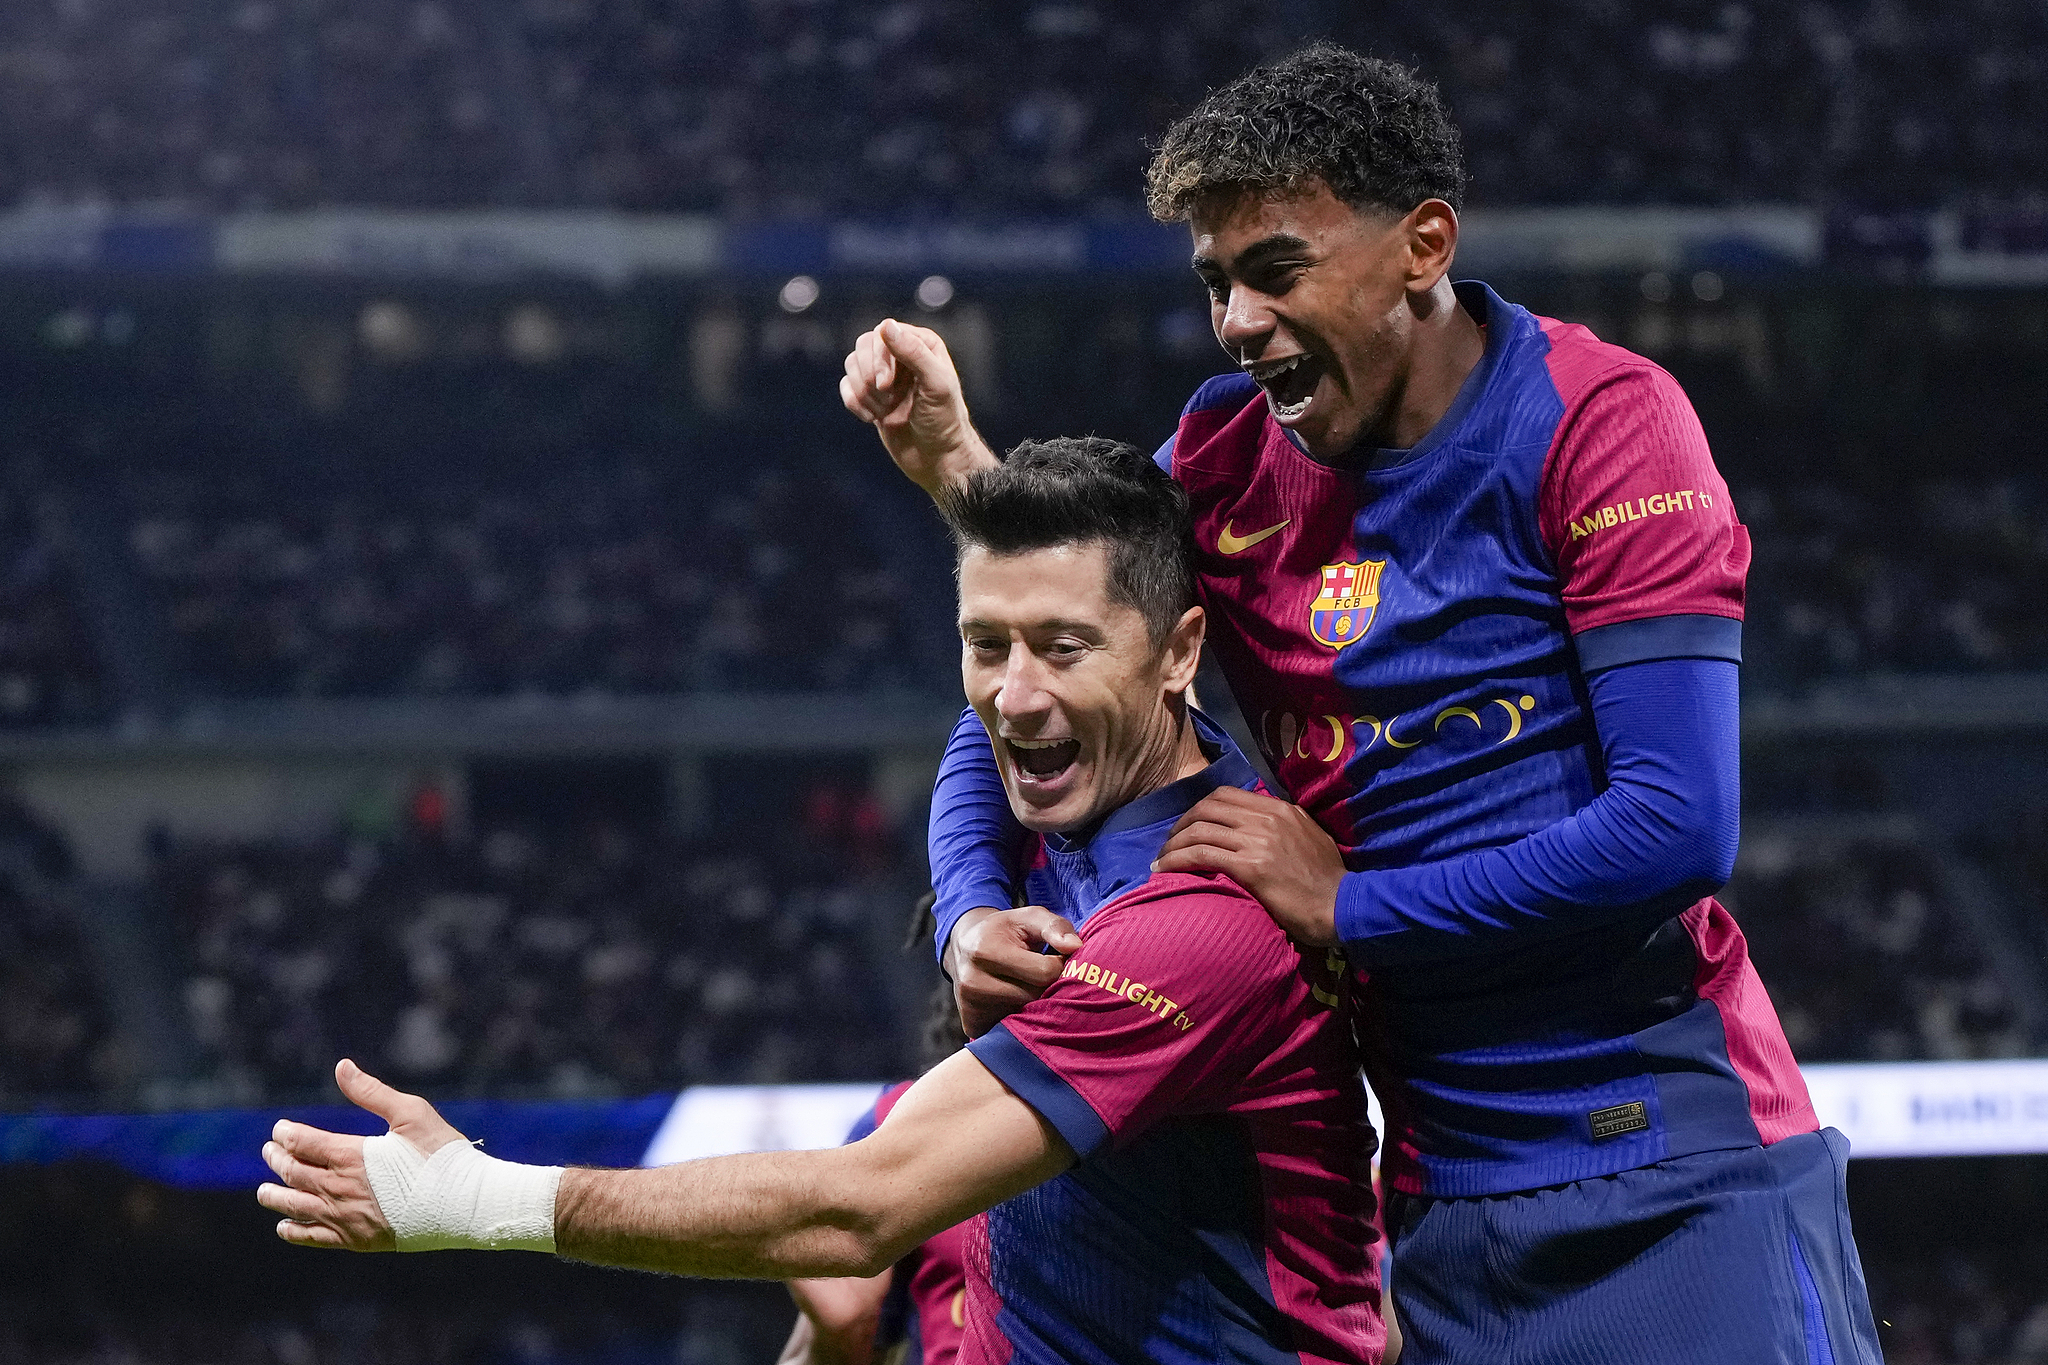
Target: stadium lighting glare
[(389, 331), (533, 335), (800, 293), (1707, 287), (934, 292), (1656, 287)]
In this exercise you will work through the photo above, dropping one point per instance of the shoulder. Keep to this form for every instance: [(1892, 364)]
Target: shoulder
[(1586, 369), (1195, 922), (1226, 394)]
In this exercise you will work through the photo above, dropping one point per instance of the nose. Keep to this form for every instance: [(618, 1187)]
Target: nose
[(1246, 320), (1022, 697)]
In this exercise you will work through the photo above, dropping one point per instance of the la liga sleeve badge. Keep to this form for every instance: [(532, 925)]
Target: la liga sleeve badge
[(1346, 601)]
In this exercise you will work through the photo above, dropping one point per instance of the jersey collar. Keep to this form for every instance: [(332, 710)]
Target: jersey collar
[(1120, 850)]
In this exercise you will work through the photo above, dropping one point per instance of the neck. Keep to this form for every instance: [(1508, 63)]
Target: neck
[(1175, 752), (1445, 346)]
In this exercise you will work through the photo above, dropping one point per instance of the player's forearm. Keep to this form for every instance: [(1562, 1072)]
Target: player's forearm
[(772, 1216), (973, 834), (1662, 835)]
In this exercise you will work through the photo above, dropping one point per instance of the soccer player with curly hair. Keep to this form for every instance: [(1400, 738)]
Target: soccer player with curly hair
[(1477, 587)]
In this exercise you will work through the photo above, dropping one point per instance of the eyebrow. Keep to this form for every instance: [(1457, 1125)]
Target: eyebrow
[(1276, 244), (1057, 623)]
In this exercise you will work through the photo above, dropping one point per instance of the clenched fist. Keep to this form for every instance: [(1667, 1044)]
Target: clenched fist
[(901, 380)]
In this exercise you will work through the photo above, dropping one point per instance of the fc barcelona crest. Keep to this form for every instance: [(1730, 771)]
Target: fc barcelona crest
[(1345, 602)]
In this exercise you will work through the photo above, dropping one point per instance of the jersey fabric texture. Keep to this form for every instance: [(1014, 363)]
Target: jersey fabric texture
[(1701, 1260), (927, 1303), (1412, 648), (1202, 1068)]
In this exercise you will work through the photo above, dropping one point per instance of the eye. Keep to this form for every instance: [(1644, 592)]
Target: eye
[(1063, 651), (985, 646), (1279, 277), (1218, 287)]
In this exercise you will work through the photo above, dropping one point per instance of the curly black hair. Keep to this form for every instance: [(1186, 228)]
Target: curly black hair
[(1374, 131), (1072, 490)]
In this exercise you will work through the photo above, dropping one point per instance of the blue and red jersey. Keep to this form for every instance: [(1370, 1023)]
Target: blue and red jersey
[(1410, 637), (1203, 1069)]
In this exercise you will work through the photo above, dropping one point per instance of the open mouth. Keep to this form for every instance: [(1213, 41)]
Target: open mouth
[(1290, 384), (1043, 760)]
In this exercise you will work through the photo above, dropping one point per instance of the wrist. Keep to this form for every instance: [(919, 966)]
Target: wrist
[(968, 455), (459, 1198)]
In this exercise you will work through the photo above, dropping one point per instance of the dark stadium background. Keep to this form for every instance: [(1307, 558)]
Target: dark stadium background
[(446, 618)]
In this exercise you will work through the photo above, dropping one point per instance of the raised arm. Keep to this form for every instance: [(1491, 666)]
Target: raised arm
[(957, 1143), (901, 380)]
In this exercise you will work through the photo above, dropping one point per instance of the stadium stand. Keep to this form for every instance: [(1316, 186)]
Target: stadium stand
[(1936, 576), (629, 580), (50, 670), (915, 106), (601, 960), (1859, 933), (54, 1028)]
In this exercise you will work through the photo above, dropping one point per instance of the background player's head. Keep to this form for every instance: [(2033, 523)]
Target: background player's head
[(1322, 191), (1078, 624)]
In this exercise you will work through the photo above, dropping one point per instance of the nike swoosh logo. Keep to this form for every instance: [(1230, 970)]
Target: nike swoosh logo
[(1231, 544)]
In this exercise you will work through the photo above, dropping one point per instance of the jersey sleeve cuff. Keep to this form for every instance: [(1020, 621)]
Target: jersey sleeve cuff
[(1044, 1089), (1660, 637), (1354, 910)]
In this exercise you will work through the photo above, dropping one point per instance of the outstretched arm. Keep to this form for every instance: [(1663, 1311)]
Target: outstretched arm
[(956, 1144), (1664, 830)]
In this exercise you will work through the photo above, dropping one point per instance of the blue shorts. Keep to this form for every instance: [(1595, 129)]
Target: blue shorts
[(1739, 1257)]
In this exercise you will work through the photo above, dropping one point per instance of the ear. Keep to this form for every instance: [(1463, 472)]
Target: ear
[(1432, 231), (1181, 655)]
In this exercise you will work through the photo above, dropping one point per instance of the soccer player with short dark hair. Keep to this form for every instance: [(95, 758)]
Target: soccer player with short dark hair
[(1477, 586), (1170, 1142)]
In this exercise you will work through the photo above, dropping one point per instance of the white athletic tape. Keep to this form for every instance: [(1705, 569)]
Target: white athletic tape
[(460, 1198)]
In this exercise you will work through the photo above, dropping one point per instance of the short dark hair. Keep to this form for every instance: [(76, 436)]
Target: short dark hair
[(1374, 131), (1077, 490)]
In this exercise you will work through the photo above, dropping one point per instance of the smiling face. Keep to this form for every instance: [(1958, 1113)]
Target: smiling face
[(1083, 709), (1318, 302)]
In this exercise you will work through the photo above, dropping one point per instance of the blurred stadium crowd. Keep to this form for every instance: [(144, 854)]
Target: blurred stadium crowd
[(159, 563), (857, 107)]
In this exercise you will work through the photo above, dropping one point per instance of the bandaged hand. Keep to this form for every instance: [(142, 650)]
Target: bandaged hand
[(420, 1187)]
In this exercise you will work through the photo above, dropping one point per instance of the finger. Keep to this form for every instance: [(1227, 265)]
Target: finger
[(1055, 931), (921, 352), (1207, 833), (311, 1235), (367, 1092), (297, 1205), (849, 398), (881, 367), (1205, 858), (315, 1148)]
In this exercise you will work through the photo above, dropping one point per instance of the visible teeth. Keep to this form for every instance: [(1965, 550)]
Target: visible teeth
[(1294, 409), (1039, 743), (1266, 374)]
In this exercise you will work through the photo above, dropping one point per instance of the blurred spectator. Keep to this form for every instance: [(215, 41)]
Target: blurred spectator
[(604, 962), (1864, 955), (910, 107)]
